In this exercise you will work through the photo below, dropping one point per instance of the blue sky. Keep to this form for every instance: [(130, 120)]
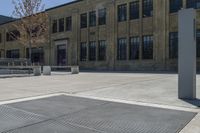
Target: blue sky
[(6, 7)]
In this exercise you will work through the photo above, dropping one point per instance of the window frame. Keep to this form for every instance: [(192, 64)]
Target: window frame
[(102, 50), (134, 46), (173, 45), (122, 49), (69, 23), (55, 26), (147, 8), (92, 18), (83, 51), (122, 12), (193, 4), (92, 50), (61, 25), (147, 47), (83, 24), (134, 10), (175, 5), (12, 52), (102, 16)]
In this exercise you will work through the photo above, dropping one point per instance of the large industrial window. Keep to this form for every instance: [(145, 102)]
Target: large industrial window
[(61, 24), (37, 55), (69, 23), (12, 53), (102, 50), (198, 43), (122, 12), (54, 27), (134, 48), (173, 45), (92, 18), (83, 51), (134, 10), (92, 51), (122, 49), (193, 4), (12, 35), (84, 20), (102, 16), (175, 5), (147, 49), (147, 8)]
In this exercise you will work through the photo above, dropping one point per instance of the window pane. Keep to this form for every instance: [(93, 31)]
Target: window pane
[(92, 51), (54, 28), (147, 8), (102, 50), (61, 25), (37, 55), (193, 4), (122, 12), (92, 18), (134, 9), (134, 48), (12, 53), (102, 16), (175, 5), (147, 49), (12, 35), (173, 45), (84, 20), (68, 23), (121, 49), (83, 52)]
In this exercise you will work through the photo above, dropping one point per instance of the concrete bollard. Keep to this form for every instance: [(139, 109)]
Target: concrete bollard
[(75, 70), (46, 70), (37, 71)]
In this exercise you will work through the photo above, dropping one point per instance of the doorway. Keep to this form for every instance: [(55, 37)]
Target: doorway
[(61, 55)]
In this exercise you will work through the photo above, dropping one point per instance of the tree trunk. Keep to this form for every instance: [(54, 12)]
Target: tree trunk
[(30, 51)]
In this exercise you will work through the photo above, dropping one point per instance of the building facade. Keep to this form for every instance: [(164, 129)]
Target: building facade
[(109, 35)]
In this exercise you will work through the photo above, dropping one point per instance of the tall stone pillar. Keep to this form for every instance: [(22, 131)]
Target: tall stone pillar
[(187, 54)]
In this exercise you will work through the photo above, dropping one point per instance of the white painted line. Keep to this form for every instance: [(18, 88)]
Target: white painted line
[(30, 98), (105, 99), (142, 103)]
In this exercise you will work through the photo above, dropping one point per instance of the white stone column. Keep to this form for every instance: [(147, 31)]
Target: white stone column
[(187, 54)]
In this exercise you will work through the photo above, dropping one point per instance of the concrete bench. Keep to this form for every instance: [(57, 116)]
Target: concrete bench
[(36, 69), (47, 69)]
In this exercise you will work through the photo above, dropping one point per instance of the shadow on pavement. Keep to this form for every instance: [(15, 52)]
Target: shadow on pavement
[(195, 102)]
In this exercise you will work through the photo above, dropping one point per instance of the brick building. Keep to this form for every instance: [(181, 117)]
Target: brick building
[(109, 35)]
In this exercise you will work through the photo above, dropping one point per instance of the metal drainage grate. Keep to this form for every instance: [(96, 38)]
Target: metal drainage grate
[(52, 127), (11, 118), (83, 115), (123, 118)]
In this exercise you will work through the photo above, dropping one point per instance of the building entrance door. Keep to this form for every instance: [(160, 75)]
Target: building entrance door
[(61, 55)]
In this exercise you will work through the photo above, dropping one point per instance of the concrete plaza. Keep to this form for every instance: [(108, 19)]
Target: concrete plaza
[(149, 89)]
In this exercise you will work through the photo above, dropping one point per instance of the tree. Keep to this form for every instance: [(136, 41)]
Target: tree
[(32, 24)]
